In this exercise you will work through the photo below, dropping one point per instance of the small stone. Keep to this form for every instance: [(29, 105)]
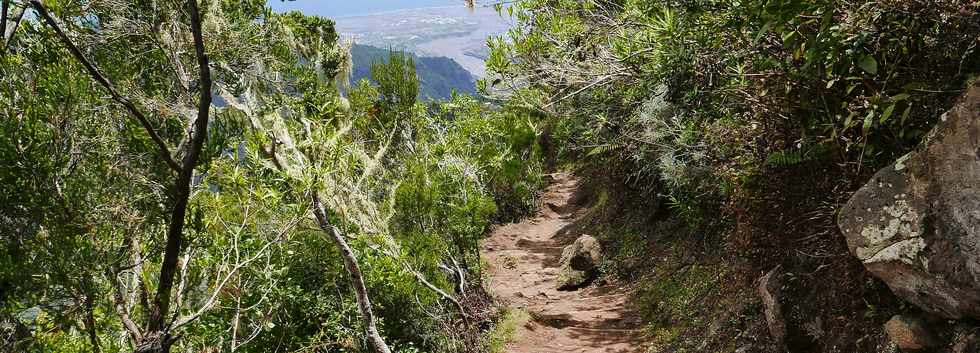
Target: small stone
[(769, 289), (910, 333), (967, 342), (579, 263)]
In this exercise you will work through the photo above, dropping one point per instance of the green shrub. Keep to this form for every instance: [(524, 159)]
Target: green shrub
[(703, 94)]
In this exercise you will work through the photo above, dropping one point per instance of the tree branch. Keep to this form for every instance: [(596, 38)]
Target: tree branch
[(9, 35), (3, 24), (350, 262), (97, 75), (182, 186), (320, 213), (418, 275), (120, 304)]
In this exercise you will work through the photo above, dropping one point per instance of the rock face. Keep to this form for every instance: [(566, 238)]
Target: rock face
[(909, 333), (916, 224), (579, 263)]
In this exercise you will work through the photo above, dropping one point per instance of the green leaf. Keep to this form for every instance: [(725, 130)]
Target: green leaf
[(905, 114), (828, 18), (848, 120), (886, 113), (868, 64), (599, 150), (915, 85), (758, 36), (868, 121), (900, 97)]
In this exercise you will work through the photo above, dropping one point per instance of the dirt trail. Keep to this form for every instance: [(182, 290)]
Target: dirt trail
[(524, 260)]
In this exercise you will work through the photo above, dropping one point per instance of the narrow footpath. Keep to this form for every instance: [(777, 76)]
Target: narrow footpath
[(524, 261)]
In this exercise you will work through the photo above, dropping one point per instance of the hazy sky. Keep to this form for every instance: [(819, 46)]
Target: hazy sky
[(338, 8)]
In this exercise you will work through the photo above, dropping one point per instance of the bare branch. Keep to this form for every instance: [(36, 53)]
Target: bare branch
[(419, 276), (599, 81), (184, 265), (121, 308), (217, 290)]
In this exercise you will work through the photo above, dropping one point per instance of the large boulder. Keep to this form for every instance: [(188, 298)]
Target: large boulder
[(916, 224), (579, 263)]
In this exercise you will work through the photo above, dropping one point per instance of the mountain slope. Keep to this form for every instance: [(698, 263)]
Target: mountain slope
[(438, 76)]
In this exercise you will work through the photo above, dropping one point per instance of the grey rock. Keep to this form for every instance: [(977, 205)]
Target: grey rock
[(770, 288), (579, 263), (916, 224)]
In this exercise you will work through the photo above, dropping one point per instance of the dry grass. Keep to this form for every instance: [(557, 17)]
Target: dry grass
[(506, 329)]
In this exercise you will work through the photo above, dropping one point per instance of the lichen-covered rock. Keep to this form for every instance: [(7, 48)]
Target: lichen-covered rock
[(910, 333), (579, 263), (916, 224)]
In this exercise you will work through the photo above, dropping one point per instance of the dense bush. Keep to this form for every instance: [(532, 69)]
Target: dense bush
[(686, 88)]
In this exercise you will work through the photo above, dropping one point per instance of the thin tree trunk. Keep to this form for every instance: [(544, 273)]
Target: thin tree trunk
[(93, 335), (157, 338), (350, 262), (12, 16), (3, 23), (182, 186)]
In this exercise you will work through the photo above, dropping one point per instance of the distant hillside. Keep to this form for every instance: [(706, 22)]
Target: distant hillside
[(438, 76), (455, 32)]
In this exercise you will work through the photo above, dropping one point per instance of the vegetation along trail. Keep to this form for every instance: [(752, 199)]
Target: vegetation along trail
[(524, 260)]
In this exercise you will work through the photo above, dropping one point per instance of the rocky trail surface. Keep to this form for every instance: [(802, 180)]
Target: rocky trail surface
[(524, 259)]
